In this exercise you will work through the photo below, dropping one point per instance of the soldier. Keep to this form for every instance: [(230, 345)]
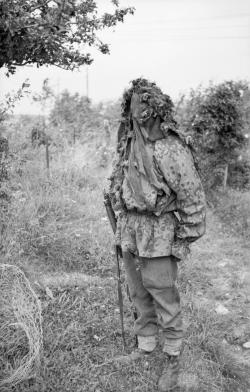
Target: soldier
[(159, 202)]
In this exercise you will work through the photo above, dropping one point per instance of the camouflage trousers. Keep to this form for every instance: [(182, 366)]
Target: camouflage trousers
[(153, 292)]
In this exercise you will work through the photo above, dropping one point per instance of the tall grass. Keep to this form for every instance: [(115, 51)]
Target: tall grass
[(56, 221), (57, 224)]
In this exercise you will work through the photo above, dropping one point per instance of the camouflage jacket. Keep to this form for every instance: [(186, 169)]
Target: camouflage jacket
[(178, 215)]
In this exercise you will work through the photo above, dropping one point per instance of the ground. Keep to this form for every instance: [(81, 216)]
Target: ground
[(68, 256), (215, 296)]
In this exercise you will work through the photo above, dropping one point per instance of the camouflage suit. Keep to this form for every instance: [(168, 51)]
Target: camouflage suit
[(160, 204)]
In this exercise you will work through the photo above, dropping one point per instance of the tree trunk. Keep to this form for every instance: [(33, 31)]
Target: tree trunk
[(47, 155), (225, 176)]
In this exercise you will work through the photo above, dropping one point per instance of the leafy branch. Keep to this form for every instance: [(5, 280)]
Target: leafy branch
[(52, 32), (10, 100)]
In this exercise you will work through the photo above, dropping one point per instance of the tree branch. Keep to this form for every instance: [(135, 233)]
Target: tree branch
[(21, 64), (40, 6)]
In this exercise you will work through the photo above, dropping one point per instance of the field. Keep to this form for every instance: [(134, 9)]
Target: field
[(57, 232)]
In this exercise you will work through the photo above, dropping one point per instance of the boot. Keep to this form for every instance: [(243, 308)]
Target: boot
[(134, 356), (168, 381), (146, 344)]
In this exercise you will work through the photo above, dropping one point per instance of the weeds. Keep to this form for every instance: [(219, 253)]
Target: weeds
[(56, 229), (21, 328), (58, 221), (233, 209)]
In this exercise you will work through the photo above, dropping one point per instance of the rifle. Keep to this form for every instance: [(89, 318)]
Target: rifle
[(118, 256)]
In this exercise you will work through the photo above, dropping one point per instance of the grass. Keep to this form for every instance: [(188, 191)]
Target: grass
[(56, 222), (56, 230), (233, 209), (21, 327)]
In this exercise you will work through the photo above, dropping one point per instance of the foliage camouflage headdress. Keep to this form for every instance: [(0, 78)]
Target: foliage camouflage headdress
[(155, 105), (158, 104)]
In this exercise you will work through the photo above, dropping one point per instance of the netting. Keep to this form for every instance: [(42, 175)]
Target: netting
[(20, 327)]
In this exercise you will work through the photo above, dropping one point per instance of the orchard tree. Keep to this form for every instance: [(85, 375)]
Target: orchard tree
[(220, 119), (53, 32), (215, 118), (74, 115), (219, 123)]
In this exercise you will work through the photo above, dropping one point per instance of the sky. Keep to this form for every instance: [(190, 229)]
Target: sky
[(179, 44)]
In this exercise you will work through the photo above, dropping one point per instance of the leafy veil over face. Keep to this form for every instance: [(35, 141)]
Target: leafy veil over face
[(146, 129), (151, 126), (147, 116)]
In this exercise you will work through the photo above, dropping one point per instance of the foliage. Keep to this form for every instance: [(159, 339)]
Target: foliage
[(240, 174), (219, 119), (156, 104), (17, 129), (10, 100), (233, 207), (47, 32), (45, 96), (111, 113), (75, 116), (38, 226), (6, 107), (111, 110), (216, 119), (56, 227)]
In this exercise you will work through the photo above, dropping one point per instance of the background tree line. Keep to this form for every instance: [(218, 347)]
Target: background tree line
[(215, 118), (61, 33)]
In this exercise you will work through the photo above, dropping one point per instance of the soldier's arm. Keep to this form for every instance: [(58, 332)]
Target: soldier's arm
[(177, 166)]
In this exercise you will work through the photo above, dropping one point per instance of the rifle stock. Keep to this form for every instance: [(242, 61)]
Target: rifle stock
[(118, 253), (110, 211)]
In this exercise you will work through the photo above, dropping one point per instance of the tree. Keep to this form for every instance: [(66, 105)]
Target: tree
[(216, 119), (74, 115), (51, 32), (219, 119), (5, 107), (39, 133)]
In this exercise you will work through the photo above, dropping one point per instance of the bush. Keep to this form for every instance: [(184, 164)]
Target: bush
[(216, 119), (239, 174)]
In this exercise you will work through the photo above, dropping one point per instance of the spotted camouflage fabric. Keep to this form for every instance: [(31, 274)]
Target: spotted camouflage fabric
[(160, 232), (155, 189)]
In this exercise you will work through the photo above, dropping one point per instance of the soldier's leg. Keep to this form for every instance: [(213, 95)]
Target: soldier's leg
[(146, 324), (159, 275)]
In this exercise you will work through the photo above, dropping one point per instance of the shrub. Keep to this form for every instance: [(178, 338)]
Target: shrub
[(216, 119)]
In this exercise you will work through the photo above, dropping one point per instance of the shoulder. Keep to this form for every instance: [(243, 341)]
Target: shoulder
[(171, 147)]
